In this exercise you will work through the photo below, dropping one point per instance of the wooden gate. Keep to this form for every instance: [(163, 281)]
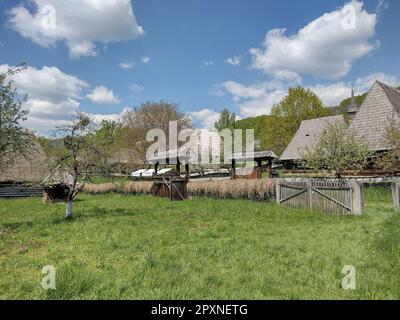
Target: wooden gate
[(331, 196)]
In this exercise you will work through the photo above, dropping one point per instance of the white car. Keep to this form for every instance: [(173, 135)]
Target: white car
[(148, 173), (138, 173)]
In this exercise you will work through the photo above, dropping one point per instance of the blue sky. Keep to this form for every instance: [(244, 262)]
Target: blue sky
[(203, 54)]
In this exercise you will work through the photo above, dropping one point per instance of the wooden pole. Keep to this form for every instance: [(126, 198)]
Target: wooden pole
[(396, 196), (358, 197), (187, 172), (178, 167), (233, 169), (156, 168)]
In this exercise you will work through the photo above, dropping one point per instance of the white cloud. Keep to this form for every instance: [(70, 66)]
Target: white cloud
[(103, 95), (364, 84), (126, 65), (78, 23), (135, 88), (206, 117), (53, 96), (145, 60), (207, 63), (333, 94), (253, 100), (326, 47), (235, 61)]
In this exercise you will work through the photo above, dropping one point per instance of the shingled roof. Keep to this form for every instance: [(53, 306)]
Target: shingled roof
[(370, 122), (307, 135)]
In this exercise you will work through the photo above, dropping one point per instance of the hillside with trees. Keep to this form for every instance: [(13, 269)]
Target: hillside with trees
[(276, 130)]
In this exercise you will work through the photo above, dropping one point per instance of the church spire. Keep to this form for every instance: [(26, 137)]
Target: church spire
[(353, 108)]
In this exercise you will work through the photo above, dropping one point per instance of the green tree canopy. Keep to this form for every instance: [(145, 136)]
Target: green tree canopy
[(15, 140), (227, 120), (286, 116)]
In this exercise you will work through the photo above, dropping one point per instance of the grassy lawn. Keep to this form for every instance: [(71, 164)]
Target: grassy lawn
[(139, 247)]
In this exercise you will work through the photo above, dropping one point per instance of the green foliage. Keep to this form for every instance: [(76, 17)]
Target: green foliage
[(286, 116), (108, 133), (15, 140), (343, 107), (141, 247), (337, 150), (226, 120), (275, 131), (300, 104), (255, 123)]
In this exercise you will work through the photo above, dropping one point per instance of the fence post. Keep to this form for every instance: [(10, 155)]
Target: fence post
[(396, 195), (278, 191), (358, 197), (309, 190)]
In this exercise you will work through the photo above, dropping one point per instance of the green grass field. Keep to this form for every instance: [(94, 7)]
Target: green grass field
[(140, 247)]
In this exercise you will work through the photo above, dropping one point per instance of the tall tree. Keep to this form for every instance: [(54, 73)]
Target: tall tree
[(286, 116), (15, 140), (227, 120), (147, 116), (337, 150)]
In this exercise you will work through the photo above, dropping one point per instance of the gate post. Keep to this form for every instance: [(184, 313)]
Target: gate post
[(358, 197), (396, 195), (309, 190), (278, 191)]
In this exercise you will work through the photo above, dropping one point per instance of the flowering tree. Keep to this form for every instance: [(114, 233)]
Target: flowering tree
[(337, 150)]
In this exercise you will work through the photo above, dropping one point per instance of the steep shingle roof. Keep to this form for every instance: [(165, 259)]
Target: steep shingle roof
[(370, 122), (307, 135), (393, 94)]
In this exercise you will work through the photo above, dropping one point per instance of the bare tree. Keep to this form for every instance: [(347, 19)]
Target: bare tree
[(147, 116), (80, 155)]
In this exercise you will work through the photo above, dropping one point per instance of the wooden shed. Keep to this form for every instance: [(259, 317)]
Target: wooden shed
[(173, 188)]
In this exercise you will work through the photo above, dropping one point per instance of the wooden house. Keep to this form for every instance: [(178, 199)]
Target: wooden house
[(368, 121)]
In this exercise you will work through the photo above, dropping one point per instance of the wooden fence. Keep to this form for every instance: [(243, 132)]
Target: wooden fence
[(19, 191), (330, 196)]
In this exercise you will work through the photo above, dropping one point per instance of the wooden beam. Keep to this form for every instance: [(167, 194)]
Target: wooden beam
[(187, 172), (156, 168)]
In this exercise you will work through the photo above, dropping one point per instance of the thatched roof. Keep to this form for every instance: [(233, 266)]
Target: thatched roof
[(370, 122), (59, 177), (307, 135), (30, 169)]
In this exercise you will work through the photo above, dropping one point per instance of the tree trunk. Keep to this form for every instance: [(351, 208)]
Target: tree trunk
[(68, 212)]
